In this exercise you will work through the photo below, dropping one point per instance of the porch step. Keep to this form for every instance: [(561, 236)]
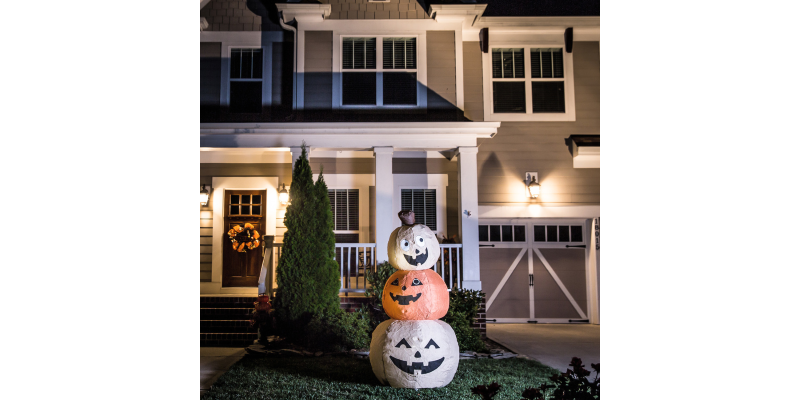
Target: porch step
[(225, 321), (352, 303)]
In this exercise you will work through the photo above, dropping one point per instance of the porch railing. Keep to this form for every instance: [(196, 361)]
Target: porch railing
[(355, 259)]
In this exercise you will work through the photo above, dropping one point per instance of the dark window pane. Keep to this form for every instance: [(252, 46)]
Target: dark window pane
[(497, 70), (245, 97), (509, 97), (247, 63), (234, 199), (347, 54), (494, 233), (411, 53), (399, 53), (346, 238), (359, 49), (563, 233), (256, 199), (576, 233), (547, 96), (552, 233), (558, 64), (536, 64), (256, 210), (358, 53), (234, 210), (519, 233), (236, 63), (483, 233), (358, 88), (507, 63), (245, 210), (245, 199), (258, 60), (399, 88), (539, 233), (352, 209), (506, 230), (340, 221)]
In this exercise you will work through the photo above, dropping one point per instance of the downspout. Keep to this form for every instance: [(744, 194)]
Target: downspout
[(294, 66)]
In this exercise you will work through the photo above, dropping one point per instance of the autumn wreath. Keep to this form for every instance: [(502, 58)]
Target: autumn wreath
[(242, 238)]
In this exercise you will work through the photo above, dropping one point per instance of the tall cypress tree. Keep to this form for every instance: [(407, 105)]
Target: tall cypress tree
[(295, 296), (328, 268)]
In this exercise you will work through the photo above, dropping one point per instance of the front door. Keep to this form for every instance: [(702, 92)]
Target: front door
[(241, 269)]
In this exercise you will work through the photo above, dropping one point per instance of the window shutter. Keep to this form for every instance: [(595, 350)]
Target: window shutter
[(509, 97), (423, 203)]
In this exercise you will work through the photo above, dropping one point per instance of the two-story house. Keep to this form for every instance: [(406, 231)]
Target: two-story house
[(482, 117)]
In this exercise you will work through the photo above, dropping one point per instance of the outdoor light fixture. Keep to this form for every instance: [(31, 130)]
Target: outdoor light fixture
[(533, 186), (283, 195), (203, 195)]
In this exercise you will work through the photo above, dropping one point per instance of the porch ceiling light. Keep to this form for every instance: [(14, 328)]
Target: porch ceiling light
[(203, 195), (283, 195), (533, 186)]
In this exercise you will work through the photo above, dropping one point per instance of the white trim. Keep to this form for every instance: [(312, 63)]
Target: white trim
[(560, 284), (525, 321), (585, 156), (534, 210), (569, 83), (422, 181), (505, 278)]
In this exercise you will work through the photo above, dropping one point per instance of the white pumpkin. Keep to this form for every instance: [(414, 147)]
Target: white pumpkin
[(413, 247), (414, 354)]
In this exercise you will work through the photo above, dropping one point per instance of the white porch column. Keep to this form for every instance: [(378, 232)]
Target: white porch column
[(296, 151), (384, 192), (468, 215)]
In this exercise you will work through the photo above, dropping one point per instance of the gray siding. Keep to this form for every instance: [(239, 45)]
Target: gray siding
[(441, 56), (473, 81), (318, 77), (210, 67), (362, 9), (539, 146)]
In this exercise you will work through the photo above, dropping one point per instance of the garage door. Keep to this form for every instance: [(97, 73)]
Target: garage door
[(534, 270)]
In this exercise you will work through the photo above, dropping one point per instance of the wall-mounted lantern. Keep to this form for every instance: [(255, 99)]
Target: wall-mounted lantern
[(531, 179), (203, 195), (283, 195)]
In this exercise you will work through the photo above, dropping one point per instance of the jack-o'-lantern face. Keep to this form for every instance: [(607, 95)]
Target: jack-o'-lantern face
[(414, 354), (415, 295), (413, 247)]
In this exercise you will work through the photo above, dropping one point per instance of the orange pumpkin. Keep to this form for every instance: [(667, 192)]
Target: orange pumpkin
[(415, 295)]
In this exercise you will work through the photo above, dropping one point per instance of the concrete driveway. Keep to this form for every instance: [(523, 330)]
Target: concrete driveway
[(550, 344)]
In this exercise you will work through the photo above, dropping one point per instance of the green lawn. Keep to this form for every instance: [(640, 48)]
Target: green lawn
[(341, 377)]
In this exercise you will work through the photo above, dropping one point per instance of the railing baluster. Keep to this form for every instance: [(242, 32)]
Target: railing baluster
[(450, 264)]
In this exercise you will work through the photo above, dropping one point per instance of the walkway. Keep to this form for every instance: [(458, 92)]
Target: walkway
[(550, 344), (214, 361)]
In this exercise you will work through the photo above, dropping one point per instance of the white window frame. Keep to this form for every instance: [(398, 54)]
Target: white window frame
[(529, 115), (266, 84), (338, 70), (423, 181)]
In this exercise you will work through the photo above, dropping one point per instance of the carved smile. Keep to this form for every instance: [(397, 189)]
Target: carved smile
[(421, 258), (403, 365), (405, 300)]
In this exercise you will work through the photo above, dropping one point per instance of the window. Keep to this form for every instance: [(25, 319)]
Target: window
[(530, 84), (423, 203), (501, 233), (393, 82), (558, 233), (344, 204), (244, 205), (246, 80)]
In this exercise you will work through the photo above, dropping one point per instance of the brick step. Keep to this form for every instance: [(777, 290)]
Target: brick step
[(227, 339), (225, 313), (226, 326), (211, 299), (249, 305)]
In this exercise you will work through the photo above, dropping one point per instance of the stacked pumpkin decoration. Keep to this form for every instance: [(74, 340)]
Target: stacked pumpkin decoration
[(414, 349)]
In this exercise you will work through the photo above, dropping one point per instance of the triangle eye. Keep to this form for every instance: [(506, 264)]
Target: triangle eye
[(432, 343), (404, 343), (396, 282), (416, 282)]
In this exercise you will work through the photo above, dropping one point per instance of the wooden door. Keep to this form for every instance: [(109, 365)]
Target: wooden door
[(241, 269)]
